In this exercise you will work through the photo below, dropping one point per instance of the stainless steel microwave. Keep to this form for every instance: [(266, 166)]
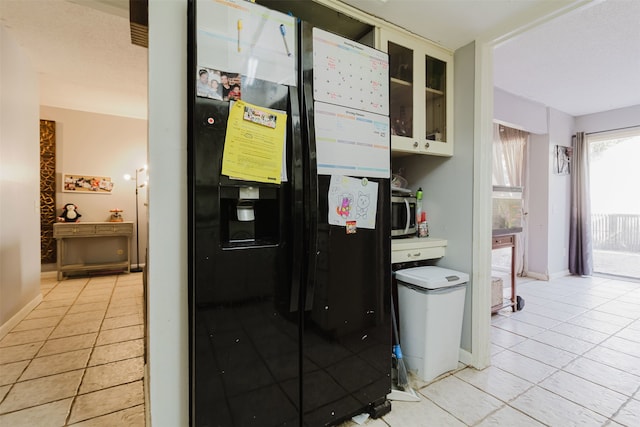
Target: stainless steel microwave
[(403, 216)]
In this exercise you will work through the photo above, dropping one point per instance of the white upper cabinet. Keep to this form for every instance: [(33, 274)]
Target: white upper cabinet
[(421, 95)]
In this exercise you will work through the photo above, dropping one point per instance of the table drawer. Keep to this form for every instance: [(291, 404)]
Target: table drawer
[(60, 230), (417, 254), (115, 228), (502, 241)]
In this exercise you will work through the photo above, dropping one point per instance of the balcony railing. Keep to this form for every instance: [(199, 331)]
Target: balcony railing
[(616, 232)]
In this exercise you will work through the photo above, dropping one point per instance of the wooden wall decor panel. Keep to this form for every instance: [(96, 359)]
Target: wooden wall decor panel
[(47, 191)]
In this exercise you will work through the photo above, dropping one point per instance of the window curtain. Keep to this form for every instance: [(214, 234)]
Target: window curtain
[(580, 243), (509, 147), (510, 169)]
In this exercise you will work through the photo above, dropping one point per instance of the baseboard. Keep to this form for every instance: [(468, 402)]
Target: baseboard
[(147, 398), (48, 274), (538, 276), (48, 267), (17, 318)]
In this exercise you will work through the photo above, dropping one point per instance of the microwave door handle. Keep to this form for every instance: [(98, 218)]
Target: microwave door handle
[(406, 228)]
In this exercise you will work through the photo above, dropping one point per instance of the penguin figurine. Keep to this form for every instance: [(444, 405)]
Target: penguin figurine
[(70, 213)]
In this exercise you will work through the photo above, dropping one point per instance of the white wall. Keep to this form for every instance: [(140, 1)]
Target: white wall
[(609, 120), (561, 128), (167, 275), (19, 180), (101, 145), (519, 112), (549, 193), (538, 217)]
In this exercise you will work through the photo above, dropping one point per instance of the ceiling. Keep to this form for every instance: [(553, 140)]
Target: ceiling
[(82, 52), (583, 62)]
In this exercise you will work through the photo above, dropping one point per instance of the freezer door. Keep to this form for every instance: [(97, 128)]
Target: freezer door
[(347, 331), (244, 357), (244, 337)]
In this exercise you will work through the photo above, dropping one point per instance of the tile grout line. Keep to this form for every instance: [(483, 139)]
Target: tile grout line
[(567, 321), (629, 399), (440, 378), (556, 369), (106, 413), (505, 403), (78, 294), (562, 369), (93, 347), (538, 384), (42, 344), (609, 419)]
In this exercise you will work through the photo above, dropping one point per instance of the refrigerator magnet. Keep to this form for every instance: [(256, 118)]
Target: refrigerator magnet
[(350, 227), (260, 117)]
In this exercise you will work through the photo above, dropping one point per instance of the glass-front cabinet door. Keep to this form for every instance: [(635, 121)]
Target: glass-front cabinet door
[(421, 103), (435, 99), (401, 89)]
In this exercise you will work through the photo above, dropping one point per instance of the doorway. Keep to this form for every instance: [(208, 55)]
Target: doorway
[(615, 206), (510, 196)]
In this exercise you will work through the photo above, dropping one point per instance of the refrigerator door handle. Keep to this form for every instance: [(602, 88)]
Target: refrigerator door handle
[(297, 207), (312, 193)]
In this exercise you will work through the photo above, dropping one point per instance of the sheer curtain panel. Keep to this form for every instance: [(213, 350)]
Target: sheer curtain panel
[(510, 170)]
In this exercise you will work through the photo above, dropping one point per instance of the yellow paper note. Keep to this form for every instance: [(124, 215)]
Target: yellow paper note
[(253, 143)]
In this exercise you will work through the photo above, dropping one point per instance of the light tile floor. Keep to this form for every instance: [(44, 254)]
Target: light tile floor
[(570, 357), (77, 358)]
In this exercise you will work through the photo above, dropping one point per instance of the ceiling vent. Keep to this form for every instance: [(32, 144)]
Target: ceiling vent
[(139, 22)]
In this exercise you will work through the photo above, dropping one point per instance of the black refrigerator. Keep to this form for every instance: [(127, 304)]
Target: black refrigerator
[(289, 221)]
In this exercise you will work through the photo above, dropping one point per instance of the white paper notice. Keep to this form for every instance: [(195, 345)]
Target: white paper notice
[(351, 142), (349, 73), (352, 199), (246, 38)]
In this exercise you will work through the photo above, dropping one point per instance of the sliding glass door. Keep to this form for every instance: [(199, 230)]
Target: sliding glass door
[(615, 202)]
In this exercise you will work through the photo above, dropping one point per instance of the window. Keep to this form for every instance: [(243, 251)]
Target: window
[(615, 202)]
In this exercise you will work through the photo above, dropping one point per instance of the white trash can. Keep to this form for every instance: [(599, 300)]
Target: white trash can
[(431, 307)]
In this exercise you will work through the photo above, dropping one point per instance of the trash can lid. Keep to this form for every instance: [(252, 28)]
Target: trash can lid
[(431, 277)]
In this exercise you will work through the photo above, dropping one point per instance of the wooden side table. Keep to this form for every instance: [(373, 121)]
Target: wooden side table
[(93, 246), (507, 241)]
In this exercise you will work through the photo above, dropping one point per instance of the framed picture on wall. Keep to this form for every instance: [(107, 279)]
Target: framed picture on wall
[(562, 159), (78, 183)]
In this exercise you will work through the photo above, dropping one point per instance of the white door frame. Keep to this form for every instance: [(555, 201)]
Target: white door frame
[(482, 164)]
